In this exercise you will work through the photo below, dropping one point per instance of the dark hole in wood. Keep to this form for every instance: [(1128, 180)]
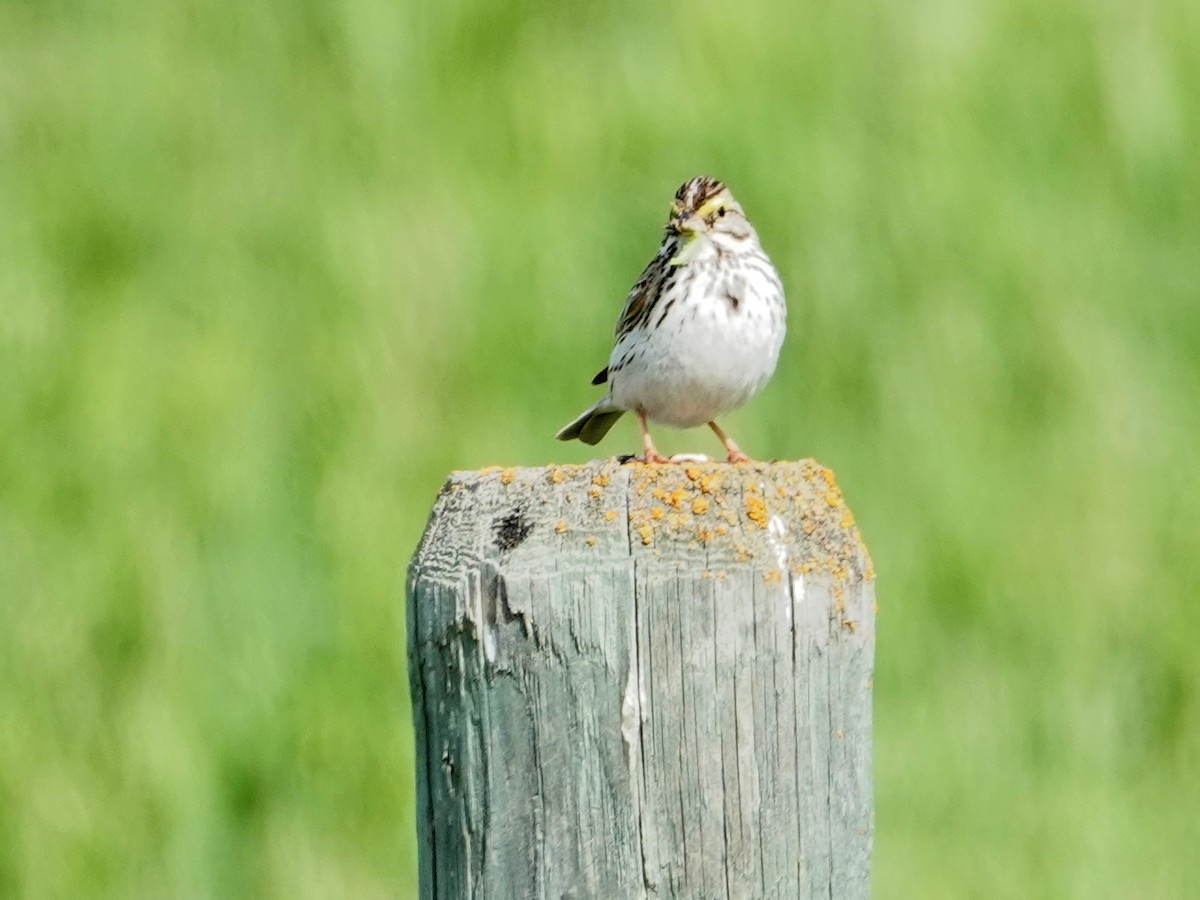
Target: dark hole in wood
[(511, 530)]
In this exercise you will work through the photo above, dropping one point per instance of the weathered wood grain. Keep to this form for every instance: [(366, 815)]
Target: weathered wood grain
[(643, 681)]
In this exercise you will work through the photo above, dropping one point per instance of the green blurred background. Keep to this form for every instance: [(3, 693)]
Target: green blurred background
[(268, 272)]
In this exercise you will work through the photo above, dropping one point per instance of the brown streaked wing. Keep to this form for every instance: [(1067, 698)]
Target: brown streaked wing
[(643, 297)]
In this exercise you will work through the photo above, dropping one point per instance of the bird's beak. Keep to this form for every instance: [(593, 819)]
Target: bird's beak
[(687, 224)]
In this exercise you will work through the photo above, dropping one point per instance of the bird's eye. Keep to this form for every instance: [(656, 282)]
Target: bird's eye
[(721, 210)]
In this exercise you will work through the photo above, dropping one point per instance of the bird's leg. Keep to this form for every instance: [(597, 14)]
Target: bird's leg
[(649, 454), (735, 454)]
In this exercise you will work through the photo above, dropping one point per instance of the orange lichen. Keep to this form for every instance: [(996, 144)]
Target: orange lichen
[(590, 540), (704, 536), (508, 476), (756, 510), (847, 519), (657, 512), (557, 476), (594, 492), (646, 479), (708, 482), (611, 514), (773, 576), (837, 569), (560, 526), (678, 497), (647, 534), (600, 480), (700, 506)]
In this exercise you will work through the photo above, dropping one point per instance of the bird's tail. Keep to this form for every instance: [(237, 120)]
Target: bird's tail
[(592, 425)]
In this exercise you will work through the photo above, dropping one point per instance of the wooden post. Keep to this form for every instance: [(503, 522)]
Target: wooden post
[(642, 681)]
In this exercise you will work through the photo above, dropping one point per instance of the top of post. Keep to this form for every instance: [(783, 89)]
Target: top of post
[(785, 516)]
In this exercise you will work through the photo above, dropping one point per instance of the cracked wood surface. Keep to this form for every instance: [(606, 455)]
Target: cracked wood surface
[(642, 681)]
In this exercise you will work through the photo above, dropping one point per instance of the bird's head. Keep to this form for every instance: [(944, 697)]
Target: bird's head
[(705, 206)]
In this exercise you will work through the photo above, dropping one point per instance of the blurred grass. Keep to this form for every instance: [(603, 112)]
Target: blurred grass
[(267, 273)]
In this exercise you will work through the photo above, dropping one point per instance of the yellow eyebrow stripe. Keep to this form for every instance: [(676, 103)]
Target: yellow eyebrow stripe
[(711, 204)]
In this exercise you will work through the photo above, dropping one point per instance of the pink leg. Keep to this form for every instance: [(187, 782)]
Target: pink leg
[(649, 454), (735, 454)]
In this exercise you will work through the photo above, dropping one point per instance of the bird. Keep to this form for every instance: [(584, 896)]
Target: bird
[(701, 329)]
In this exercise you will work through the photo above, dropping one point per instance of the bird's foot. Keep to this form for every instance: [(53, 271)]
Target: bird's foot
[(735, 453)]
